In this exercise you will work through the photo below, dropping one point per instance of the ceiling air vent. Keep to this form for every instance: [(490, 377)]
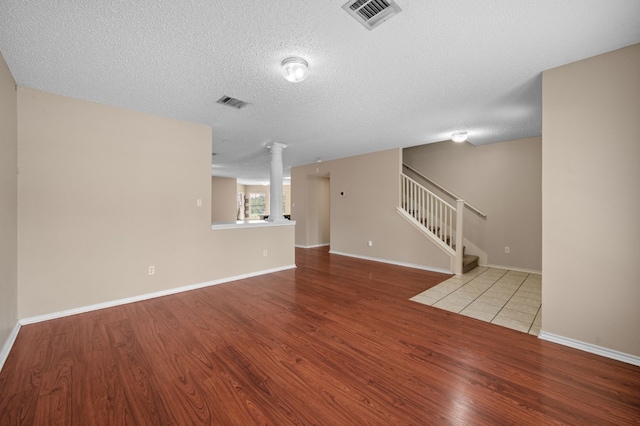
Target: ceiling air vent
[(371, 13), (232, 102)]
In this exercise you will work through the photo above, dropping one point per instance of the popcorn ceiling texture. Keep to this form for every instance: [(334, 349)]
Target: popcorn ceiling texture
[(437, 67)]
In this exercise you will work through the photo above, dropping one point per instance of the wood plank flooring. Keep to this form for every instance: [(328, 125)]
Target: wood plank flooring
[(334, 342)]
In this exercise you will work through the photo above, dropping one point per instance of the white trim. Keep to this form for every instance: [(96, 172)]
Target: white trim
[(8, 344), (393, 262), (511, 268), (251, 224), (588, 347), (141, 297), (313, 246)]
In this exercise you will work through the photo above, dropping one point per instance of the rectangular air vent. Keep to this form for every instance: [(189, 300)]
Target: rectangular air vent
[(371, 13), (232, 102)]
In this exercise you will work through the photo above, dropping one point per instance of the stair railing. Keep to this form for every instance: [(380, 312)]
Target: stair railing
[(445, 191), (435, 215)]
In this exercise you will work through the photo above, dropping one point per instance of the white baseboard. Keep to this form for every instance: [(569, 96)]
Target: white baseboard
[(393, 262), (8, 344), (147, 296), (588, 347), (313, 246), (511, 268)]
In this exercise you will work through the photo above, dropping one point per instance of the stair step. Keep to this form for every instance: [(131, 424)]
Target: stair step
[(469, 262)]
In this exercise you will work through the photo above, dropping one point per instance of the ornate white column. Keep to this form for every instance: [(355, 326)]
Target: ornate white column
[(275, 191)]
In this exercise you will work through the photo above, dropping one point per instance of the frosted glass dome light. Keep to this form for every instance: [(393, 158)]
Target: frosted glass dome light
[(295, 69)]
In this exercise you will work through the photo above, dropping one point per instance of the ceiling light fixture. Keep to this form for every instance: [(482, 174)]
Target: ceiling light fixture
[(295, 69), (459, 137)]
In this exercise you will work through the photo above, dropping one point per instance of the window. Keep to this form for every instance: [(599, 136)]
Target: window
[(256, 205)]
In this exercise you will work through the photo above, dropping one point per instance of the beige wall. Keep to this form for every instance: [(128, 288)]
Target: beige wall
[(224, 200), (504, 180), (286, 191), (104, 193), (591, 202), (8, 203), (366, 212)]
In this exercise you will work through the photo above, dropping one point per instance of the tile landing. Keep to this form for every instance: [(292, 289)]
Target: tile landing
[(503, 297)]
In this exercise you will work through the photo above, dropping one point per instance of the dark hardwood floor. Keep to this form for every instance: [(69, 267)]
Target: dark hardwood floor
[(334, 342)]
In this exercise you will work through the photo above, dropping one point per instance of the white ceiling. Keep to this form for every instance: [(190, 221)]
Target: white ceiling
[(437, 67)]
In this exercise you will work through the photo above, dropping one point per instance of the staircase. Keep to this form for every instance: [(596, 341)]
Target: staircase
[(469, 261), (434, 217)]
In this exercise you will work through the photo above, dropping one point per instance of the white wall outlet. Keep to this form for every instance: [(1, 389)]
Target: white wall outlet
[(152, 270), (370, 244), (199, 202), (507, 250), (264, 253)]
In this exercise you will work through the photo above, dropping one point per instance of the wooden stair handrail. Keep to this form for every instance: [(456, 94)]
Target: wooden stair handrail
[(449, 193)]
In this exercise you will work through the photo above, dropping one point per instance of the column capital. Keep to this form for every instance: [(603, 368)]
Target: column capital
[(277, 146)]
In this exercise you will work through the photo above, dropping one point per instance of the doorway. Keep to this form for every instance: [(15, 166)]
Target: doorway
[(318, 211)]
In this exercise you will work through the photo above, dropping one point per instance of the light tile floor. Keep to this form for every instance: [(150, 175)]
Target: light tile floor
[(511, 299)]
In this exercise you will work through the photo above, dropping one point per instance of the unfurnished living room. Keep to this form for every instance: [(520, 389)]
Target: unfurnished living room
[(332, 213)]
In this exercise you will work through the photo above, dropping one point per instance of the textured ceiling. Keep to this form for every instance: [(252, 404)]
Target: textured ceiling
[(437, 67)]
